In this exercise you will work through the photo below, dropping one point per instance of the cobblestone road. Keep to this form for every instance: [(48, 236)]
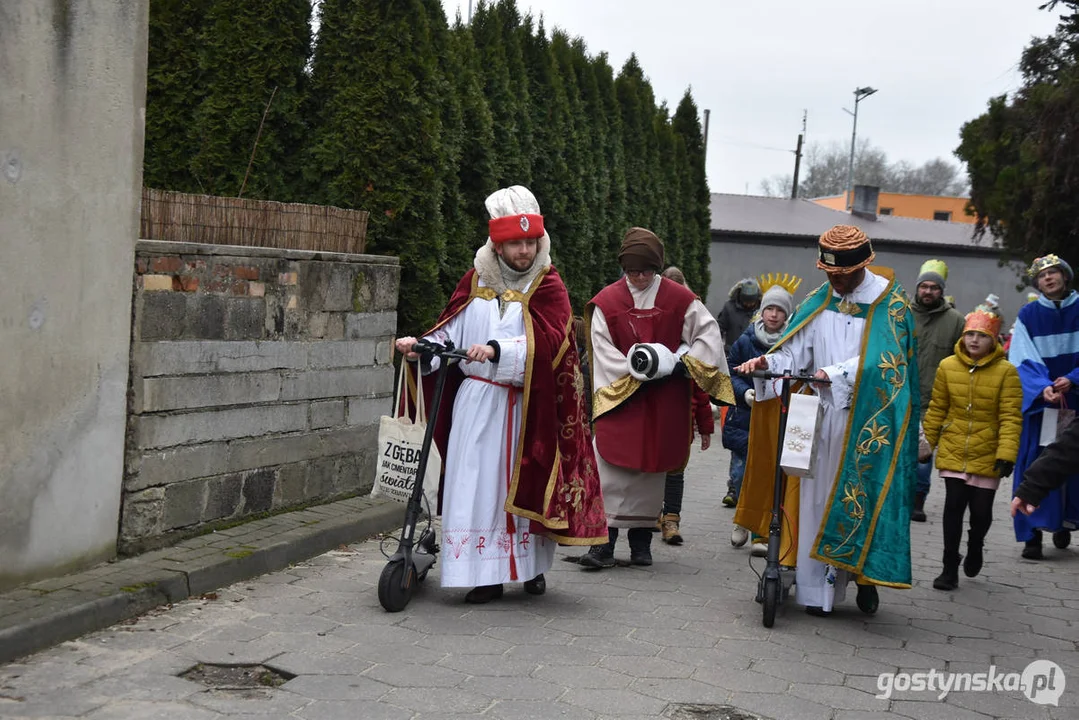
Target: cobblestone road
[(682, 639)]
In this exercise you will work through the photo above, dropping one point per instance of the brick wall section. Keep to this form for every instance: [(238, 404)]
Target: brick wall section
[(257, 380)]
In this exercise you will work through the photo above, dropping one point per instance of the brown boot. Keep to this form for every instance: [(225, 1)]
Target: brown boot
[(671, 534)]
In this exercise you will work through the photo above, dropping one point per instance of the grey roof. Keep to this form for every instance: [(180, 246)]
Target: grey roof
[(754, 215)]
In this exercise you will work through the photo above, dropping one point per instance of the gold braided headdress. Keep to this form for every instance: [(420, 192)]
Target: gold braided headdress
[(844, 249)]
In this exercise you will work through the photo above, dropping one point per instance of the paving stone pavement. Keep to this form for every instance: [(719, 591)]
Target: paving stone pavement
[(680, 639)]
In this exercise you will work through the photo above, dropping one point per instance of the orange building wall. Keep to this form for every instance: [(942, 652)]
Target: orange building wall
[(911, 206)]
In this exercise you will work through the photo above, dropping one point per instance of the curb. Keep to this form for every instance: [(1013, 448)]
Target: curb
[(159, 581)]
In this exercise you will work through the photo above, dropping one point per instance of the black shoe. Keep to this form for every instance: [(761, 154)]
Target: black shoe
[(868, 600), (947, 580), (598, 557), (1062, 539), (973, 563), (730, 499), (1032, 549), (483, 594), (817, 611), (918, 513), (640, 546), (536, 586)]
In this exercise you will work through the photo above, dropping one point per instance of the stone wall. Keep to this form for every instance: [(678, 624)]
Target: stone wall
[(257, 380)]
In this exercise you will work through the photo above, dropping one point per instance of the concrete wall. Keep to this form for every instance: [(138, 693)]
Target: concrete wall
[(72, 97), (258, 377), (970, 278)]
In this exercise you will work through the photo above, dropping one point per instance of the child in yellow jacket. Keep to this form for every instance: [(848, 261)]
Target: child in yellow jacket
[(975, 416)]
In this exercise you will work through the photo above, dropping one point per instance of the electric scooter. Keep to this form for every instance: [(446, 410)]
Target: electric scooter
[(409, 565), (774, 585)]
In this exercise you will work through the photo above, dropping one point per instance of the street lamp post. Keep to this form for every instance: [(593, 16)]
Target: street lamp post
[(859, 94)]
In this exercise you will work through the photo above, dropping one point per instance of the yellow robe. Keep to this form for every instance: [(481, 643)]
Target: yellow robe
[(754, 511)]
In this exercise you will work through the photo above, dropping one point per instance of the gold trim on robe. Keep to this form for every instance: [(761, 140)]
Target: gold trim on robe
[(710, 378), (611, 396)]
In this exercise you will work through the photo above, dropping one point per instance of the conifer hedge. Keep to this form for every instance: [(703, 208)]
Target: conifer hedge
[(393, 110)]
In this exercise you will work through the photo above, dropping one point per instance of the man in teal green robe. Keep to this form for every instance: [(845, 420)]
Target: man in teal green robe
[(856, 330)]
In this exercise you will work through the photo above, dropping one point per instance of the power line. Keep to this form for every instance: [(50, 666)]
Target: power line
[(747, 144)]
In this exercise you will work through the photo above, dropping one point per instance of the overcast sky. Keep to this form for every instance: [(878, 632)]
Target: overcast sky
[(756, 65)]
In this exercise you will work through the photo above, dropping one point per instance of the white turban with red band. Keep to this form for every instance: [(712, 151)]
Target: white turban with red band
[(515, 215)]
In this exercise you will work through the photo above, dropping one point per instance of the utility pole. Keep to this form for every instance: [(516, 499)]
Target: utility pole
[(797, 166), (859, 94), (798, 156), (707, 113)]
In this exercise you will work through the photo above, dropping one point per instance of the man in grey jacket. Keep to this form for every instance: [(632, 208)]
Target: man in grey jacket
[(939, 327), (734, 318)]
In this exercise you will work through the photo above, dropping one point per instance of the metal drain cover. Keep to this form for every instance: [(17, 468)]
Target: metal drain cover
[(685, 711), (236, 677)]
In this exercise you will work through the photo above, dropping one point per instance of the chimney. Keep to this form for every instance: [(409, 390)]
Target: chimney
[(866, 198)]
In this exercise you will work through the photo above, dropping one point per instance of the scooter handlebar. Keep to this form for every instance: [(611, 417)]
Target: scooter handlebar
[(793, 377), (430, 348)]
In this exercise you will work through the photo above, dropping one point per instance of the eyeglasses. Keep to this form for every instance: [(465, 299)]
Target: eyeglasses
[(930, 287), (640, 273)]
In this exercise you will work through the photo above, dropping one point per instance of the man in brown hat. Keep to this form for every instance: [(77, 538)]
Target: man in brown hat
[(857, 331), (648, 336)]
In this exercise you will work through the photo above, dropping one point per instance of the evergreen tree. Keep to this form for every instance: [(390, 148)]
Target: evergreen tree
[(512, 31), (173, 91), (548, 115), (551, 177), (251, 54), (682, 222), (593, 127), (699, 199), (613, 174), (665, 199), (458, 238), (474, 173), (639, 140), (376, 144), (1022, 154), (580, 185), (508, 107)]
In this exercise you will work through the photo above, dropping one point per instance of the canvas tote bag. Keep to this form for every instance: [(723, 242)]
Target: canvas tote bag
[(400, 439), (800, 438)]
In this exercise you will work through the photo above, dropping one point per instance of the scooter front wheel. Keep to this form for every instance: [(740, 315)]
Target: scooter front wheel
[(771, 600), (392, 592)]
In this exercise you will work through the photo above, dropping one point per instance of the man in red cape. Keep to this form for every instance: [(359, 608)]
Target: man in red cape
[(520, 472)]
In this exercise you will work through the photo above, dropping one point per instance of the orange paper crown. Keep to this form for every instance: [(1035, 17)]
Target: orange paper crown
[(984, 322)]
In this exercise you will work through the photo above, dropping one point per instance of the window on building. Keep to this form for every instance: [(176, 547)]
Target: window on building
[(943, 215), (885, 211)]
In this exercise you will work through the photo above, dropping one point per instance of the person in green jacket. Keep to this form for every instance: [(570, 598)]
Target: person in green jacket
[(939, 327)]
